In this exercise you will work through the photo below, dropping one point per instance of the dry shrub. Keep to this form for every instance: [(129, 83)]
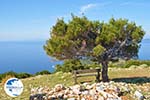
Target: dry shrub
[(6, 78)]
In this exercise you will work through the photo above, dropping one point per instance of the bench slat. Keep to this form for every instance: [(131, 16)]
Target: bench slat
[(87, 72), (91, 74)]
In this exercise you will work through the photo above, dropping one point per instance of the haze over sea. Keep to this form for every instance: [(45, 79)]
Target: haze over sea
[(30, 57)]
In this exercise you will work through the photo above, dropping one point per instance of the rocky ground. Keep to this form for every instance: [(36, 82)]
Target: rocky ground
[(96, 91), (126, 84)]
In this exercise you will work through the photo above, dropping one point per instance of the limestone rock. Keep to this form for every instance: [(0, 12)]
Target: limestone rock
[(139, 95), (58, 87)]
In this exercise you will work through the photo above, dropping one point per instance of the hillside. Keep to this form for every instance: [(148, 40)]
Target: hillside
[(138, 78)]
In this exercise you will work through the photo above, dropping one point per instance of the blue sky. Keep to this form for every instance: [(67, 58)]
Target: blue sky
[(27, 20)]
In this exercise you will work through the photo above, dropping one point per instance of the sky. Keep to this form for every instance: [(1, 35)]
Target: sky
[(31, 20)]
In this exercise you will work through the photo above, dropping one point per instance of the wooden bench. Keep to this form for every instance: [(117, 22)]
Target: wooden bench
[(87, 72)]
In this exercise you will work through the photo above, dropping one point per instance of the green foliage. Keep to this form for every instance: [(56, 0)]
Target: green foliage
[(83, 37), (70, 43), (70, 65), (11, 73), (23, 75), (14, 74), (98, 50), (60, 28), (44, 72)]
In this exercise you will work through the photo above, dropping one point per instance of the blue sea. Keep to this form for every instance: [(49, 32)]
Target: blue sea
[(31, 58), (27, 57), (144, 51)]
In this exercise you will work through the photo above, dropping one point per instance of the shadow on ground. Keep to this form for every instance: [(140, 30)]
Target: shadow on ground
[(134, 80)]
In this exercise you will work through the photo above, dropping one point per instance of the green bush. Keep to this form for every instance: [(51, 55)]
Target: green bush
[(129, 63), (119, 63), (14, 74), (11, 73), (70, 65), (136, 62), (24, 75), (43, 72), (1, 77)]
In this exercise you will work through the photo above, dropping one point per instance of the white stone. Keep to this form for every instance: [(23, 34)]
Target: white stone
[(60, 94), (65, 96), (67, 91), (139, 95), (83, 99), (76, 91), (100, 88), (50, 92), (85, 92), (40, 90), (92, 92), (58, 87)]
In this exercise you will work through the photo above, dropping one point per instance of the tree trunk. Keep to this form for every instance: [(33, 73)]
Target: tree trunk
[(104, 71)]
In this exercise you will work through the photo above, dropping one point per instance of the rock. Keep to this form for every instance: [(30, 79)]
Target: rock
[(58, 87), (76, 89), (96, 91), (60, 95), (71, 99), (85, 92), (50, 92), (139, 95), (37, 97), (117, 90), (82, 88), (45, 97), (100, 98), (40, 90), (65, 96), (83, 99), (32, 91), (92, 92), (67, 91), (88, 87), (99, 88), (52, 97)]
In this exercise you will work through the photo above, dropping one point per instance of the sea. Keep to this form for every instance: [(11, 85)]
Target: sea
[(30, 57)]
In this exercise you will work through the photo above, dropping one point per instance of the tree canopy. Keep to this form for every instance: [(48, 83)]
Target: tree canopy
[(81, 38)]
